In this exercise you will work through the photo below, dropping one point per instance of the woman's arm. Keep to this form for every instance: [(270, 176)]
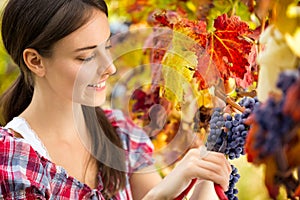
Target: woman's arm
[(204, 190), (143, 181), (212, 167)]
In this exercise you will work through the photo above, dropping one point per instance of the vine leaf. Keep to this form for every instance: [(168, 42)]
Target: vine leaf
[(228, 46), (195, 30), (179, 64)]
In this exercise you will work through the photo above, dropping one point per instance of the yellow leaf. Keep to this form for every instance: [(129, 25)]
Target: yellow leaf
[(284, 18), (293, 41), (177, 73)]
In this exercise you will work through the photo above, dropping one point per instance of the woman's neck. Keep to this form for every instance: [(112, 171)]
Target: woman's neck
[(59, 117), (61, 127)]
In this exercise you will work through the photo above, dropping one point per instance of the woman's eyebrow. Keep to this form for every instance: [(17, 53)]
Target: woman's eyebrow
[(92, 47), (86, 48)]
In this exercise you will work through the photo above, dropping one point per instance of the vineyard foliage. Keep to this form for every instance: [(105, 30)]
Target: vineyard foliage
[(203, 54), (223, 51)]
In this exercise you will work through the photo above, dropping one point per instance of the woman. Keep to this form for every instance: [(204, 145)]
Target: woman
[(58, 143)]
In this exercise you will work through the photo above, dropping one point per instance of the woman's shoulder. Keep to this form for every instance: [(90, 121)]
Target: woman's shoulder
[(10, 139), (5, 132), (20, 168), (25, 174), (22, 129), (135, 140), (16, 154), (12, 147), (126, 127)]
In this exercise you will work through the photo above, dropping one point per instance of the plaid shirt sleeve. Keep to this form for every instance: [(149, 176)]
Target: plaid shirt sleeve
[(137, 144)]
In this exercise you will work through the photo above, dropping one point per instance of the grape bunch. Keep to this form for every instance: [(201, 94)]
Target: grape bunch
[(275, 125), (234, 177), (274, 128), (228, 135), (236, 128), (286, 80), (274, 137)]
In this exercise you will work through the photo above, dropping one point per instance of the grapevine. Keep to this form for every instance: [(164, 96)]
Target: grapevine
[(238, 61), (275, 141), (228, 133)]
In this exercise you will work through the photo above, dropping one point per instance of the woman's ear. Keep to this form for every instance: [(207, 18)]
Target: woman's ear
[(33, 60)]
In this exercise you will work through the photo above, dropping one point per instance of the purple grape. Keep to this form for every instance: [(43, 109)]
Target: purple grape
[(228, 135), (217, 135), (234, 177), (237, 130)]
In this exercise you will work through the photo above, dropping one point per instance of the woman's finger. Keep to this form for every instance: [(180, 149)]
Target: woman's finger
[(219, 159)]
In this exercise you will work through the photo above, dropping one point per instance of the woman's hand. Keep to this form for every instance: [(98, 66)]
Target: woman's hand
[(203, 165)]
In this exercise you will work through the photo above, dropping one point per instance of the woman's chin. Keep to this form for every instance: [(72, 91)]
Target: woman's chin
[(93, 103)]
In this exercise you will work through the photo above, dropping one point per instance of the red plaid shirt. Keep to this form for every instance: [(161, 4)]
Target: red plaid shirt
[(25, 174)]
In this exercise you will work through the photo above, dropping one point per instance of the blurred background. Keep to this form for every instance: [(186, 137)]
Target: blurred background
[(133, 14)]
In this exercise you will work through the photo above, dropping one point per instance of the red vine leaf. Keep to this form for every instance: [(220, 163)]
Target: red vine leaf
[(228, 47), (252, 70)]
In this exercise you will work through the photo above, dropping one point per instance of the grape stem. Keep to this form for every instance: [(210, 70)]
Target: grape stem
[(228, 100), (242, 93), (234, 104)]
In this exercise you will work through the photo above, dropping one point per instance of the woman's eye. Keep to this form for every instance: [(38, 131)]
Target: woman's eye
[(108, 46), (87, 59)]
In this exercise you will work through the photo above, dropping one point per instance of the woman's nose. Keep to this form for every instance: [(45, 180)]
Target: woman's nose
[(111, 69), (105, 64)]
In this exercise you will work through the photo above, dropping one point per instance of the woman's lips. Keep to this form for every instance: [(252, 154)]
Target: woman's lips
[(98, 86)]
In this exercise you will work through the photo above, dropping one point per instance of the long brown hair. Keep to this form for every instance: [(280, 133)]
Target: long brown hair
[(39, 24)]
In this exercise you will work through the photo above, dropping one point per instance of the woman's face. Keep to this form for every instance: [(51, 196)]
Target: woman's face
[(80, 63)]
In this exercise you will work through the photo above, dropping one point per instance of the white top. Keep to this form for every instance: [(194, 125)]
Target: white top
[(21, 126)]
